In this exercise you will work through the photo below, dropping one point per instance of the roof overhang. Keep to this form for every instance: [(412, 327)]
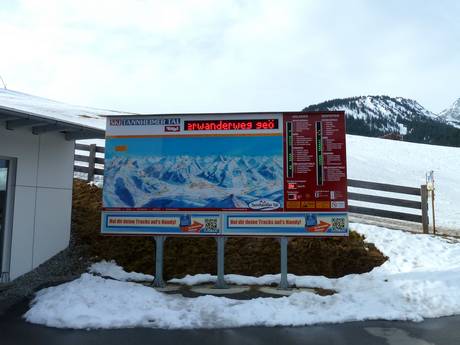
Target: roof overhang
[(12, 119)]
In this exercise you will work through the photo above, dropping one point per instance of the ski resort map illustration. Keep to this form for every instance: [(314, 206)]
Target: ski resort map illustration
[(226, 174)]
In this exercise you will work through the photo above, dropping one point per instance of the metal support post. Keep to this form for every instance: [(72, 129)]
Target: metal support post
[(158, 282), (220, 283), (284, 285)]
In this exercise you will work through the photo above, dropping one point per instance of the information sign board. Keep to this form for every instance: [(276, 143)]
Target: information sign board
[(226, 174)]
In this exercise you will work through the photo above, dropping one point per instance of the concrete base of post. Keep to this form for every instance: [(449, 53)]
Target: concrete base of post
[(168, 288), (283, 292), (212, 290)]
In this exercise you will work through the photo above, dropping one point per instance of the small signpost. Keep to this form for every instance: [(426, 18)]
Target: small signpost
[(430, 188), (246, 174)]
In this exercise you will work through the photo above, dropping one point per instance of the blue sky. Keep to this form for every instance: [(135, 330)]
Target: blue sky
[(198, 146), (221, 56)]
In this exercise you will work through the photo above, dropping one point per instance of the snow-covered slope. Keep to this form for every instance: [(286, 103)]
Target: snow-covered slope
[(54, 110), (452, 114), (403, 163)]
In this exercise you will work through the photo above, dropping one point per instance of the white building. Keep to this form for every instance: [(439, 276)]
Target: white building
[(37, 139)]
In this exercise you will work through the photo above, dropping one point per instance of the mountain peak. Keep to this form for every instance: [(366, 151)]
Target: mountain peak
[(452, 114), (375, 106), (380, 115)]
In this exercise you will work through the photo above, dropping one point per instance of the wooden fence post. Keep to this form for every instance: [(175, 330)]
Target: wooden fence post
[(425, 220), (91, 162)]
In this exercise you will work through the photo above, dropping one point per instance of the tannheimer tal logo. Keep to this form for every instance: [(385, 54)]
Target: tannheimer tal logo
[(264, 205), (144, 122)]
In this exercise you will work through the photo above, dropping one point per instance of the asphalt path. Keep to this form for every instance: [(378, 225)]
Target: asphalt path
[(14, 330)]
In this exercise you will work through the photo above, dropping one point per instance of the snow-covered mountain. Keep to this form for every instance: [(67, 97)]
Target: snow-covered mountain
[(194, 182), (380, 115), (392, 110), (452, 114)]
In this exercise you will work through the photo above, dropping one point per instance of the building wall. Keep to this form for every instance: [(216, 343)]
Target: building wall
[(43, 196)]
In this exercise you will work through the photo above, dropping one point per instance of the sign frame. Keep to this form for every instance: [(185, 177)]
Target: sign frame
[(223, 125)]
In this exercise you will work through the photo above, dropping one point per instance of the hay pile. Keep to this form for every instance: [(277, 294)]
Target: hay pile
[(332, 257)]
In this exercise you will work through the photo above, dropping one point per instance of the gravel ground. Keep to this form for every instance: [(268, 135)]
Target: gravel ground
[(64, 266)]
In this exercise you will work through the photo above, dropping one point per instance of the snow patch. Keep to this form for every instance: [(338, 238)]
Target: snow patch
[(404, 163), (421, 279), (112, 270)]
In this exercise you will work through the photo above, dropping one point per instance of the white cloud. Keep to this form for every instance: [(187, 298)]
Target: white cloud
[(187, 56)]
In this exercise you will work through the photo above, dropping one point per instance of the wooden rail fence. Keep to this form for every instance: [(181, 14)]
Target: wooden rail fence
[(91, 159), (91, 171), (402, 201)]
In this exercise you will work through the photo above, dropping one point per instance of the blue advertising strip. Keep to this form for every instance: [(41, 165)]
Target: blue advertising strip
[(230, 224), (160, 223), (285, 224)]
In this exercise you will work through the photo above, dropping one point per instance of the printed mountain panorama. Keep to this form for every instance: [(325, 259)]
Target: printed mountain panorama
[(397, 117), (215, 181)]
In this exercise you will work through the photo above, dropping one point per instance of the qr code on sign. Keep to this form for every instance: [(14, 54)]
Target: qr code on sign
[(211, 224), (338, 223)]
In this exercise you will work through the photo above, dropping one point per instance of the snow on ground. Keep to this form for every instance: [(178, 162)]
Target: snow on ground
[(112, 270), (403, 163), (420, 280)]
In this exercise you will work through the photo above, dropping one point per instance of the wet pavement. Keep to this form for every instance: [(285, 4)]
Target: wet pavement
[(14, 330)]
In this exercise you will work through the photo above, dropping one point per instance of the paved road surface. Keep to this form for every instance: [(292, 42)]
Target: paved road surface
[(443, 331)]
